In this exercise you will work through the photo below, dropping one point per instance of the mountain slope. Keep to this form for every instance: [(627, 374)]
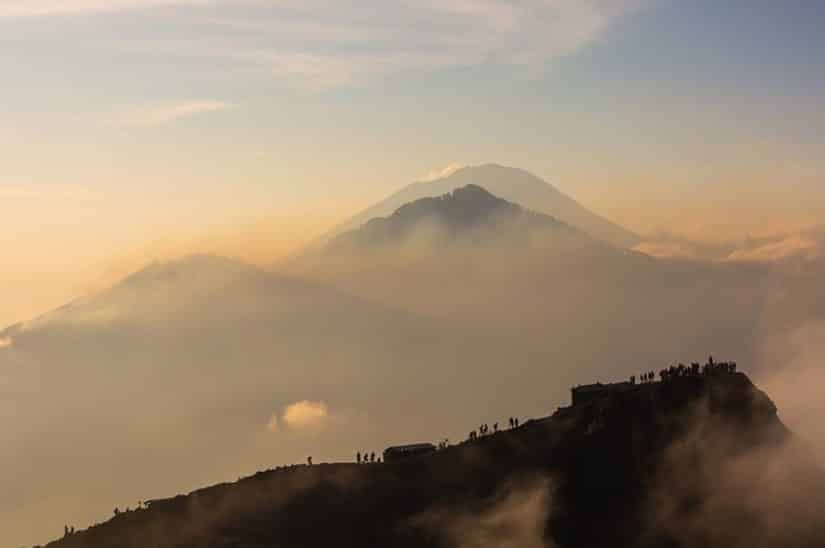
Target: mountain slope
[(511, 184), (681, 463)]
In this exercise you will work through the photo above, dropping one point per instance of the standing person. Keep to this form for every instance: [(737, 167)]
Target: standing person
[(358, 456), (309, 461)]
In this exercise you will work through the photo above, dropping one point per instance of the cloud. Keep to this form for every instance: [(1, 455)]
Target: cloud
[(670, 250), (155, 115), (517, 517), (746, 480), (305, 415), (805, 245), (441, 173), (795, 376), (792, 246), (432, 35), (318, 44), (40, 8), (5, 342)]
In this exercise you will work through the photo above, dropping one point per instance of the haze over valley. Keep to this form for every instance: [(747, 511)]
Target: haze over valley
[(264, 240), (475, 304)]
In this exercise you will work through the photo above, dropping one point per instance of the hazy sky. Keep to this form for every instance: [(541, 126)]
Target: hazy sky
[(128, 126)]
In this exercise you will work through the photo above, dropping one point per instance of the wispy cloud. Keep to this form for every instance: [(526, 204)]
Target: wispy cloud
[(433, 35), (318, 44), (441, 173), (40, 8), (158, 114)]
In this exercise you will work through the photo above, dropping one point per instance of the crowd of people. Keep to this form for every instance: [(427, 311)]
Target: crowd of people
[(693, 370)]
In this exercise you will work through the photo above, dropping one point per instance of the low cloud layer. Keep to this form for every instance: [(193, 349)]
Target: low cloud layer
[(805, 245), (788, 247)]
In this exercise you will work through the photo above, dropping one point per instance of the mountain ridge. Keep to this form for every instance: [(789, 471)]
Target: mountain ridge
[(602, 462)]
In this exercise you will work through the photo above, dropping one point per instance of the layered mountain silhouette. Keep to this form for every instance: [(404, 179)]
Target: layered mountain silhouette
[(474, 304), (691, 461), (511, 184), (469, 215)]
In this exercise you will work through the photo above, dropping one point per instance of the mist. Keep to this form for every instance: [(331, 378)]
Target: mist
[(200, 370)]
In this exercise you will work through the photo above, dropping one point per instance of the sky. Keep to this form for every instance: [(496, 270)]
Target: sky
[(132, 128)]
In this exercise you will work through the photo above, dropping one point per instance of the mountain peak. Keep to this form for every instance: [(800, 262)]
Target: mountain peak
[(512, 184), (464, 205), (469, 211)]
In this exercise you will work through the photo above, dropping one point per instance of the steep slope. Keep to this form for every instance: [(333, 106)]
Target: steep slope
[(511, 184), (682, 463)]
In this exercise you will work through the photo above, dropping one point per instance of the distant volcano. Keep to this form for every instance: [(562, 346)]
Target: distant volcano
[(511, 184), (467, 213)]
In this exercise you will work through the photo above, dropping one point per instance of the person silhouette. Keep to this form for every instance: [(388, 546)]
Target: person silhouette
[(309, 461), (358, 456), (372, 457)]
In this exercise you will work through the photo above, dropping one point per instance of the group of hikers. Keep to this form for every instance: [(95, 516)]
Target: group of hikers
[(681, 370), (484, 429), (366, 458)]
